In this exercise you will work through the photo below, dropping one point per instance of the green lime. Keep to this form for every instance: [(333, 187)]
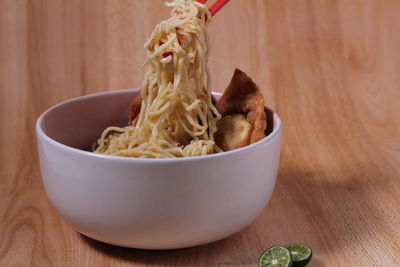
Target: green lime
[(300, 254), (276, 256)]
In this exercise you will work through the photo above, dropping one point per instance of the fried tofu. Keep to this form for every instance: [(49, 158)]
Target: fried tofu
[(241, 97), (234, 131)]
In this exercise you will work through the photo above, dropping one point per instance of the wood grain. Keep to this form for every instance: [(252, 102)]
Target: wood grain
[(330, 68)]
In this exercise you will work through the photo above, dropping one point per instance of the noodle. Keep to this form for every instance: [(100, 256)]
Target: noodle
[(177, 116)]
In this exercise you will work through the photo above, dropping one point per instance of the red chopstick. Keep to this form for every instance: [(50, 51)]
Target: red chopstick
[(216, 6)]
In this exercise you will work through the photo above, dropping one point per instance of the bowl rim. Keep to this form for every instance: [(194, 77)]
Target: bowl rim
[(41, 135)]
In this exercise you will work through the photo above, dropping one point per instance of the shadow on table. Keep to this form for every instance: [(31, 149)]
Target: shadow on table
[(183, 257), (173, 257), (334, 209), (316, 262)]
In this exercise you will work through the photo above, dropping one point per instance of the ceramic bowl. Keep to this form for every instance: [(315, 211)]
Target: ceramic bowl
[(148, 203)]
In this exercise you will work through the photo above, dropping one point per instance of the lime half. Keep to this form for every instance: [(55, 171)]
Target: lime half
[(277, 256), (300, 254)]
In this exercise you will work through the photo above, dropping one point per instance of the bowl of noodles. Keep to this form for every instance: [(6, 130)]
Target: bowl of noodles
[(169, 165), (159, 203)]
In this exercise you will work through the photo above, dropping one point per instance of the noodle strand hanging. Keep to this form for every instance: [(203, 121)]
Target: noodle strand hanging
[(177, 117)]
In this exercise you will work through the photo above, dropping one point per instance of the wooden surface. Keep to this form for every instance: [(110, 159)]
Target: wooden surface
[(330, 68)]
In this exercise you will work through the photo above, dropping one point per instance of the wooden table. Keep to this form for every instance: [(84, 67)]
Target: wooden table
[(330, 68)]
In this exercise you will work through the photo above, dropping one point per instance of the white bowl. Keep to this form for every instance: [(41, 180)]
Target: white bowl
[(148, 203)]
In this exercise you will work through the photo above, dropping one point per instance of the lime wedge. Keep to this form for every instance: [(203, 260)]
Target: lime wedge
[(300, 254), (277, 256)]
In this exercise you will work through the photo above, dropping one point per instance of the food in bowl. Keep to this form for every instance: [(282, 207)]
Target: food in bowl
[(149, 203), (175, 115), (242, 110)]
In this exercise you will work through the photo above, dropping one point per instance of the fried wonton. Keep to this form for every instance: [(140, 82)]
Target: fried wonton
[(234, 131), (241, 97)]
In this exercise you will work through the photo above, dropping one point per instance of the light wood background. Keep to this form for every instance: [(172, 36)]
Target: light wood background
[(330, 68)]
